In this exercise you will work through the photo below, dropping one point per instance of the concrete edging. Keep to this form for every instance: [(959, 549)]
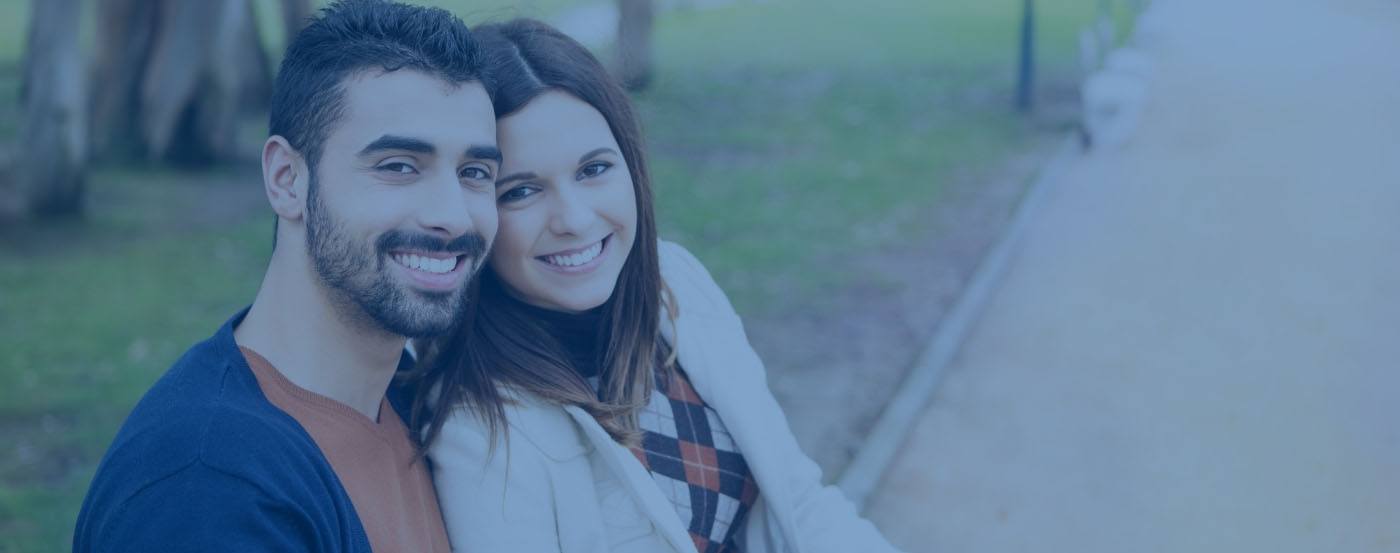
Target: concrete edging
[(863, 475)]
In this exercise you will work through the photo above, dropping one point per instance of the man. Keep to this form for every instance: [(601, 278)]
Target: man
[(275, 434)]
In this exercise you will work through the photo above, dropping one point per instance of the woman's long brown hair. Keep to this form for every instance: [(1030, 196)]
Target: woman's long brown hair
[(499, 346)]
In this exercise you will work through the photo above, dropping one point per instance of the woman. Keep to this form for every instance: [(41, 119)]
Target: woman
[(603, 395)]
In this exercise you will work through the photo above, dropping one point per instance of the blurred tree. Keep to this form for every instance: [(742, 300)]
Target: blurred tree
[(634, 29), (173, 77), (47, 171), (295, 14)]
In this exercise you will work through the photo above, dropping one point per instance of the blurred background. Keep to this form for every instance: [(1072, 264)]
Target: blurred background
[(841, 167)]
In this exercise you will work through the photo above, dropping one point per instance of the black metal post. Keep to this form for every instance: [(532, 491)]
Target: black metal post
[(1025, 77)]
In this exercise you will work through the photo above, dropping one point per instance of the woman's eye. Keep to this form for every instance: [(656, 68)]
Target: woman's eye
[(594, 169), (397, 167), (516, 194)]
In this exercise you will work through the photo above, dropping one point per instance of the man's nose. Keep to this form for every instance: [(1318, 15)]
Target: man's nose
[(442, 208)]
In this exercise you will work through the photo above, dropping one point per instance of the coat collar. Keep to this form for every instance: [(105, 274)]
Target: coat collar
[(639, 482)]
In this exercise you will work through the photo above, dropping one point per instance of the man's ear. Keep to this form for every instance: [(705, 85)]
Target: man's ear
[(285, 178)]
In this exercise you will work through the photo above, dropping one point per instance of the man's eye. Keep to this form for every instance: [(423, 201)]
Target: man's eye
[(594, 169), (397, 167), (475, 173)]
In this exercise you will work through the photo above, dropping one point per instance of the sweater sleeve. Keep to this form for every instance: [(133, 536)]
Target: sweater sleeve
[(203, 509)]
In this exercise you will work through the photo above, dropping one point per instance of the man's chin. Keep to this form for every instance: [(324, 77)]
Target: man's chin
[(420, 327), (432, 314), (416, 314)]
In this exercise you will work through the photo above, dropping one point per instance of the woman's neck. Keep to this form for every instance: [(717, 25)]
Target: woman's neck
[(580, 334)]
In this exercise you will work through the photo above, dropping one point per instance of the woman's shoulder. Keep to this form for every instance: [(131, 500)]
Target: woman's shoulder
[(532, 424), (689, 281)]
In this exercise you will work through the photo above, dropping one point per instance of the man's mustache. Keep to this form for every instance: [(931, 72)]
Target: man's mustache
[(471, 244)]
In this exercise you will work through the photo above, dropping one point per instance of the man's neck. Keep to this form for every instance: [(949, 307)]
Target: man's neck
[(310, 340)]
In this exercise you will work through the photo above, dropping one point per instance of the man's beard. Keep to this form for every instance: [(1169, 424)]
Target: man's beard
[(358, 274)]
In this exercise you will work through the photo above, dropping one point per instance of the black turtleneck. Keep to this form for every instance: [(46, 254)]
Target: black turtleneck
[(581, 334)]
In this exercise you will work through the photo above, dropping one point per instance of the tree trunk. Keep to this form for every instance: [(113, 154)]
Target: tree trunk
[(295, 14), (50, 158), (180, 74), (634, 30), (125, 31)]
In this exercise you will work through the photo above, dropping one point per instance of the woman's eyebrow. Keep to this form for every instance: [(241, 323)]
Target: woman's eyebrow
[(515, 177), (592, 153)]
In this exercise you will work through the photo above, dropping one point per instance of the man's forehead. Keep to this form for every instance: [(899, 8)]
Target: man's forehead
[(416, 104)]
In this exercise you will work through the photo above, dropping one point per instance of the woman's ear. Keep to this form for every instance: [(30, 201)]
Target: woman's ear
[(285, 178)]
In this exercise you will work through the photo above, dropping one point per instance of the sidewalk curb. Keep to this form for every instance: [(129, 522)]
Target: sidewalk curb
[(863, 475)]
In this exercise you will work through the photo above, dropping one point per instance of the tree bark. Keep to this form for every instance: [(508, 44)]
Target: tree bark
[(50, 159), (176, 76), (636, 18), (126, 30)]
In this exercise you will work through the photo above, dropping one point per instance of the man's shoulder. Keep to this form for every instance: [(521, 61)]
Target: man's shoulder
[(209, 404), (205, 430), (207, 411)]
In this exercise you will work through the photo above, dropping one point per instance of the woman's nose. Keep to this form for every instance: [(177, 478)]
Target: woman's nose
[(571, 212)]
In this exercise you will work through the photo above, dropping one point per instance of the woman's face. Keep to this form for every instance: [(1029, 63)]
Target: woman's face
[(568, 212)]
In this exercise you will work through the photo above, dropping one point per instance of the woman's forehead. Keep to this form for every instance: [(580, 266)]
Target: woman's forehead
[(553, 126)]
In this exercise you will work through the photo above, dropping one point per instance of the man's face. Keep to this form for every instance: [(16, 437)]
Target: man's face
[(401, 208)]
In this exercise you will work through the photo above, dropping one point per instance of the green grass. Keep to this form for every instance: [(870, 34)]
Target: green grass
[(92, 314), (786, 132), (782, 133), (14, 19)]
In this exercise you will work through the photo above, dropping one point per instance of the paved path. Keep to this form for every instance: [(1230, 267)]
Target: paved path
[(1198, 346)]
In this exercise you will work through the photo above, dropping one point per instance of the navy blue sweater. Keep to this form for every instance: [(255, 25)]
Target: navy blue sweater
[(205, 463)]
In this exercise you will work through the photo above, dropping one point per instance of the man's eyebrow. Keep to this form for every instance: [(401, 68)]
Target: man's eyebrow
[(592, 153), (392, 142), (491, 153)]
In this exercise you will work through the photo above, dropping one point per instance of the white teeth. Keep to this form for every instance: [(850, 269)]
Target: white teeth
[(426, 264), (577, 259)]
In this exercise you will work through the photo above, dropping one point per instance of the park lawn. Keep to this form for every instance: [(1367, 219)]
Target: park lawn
[(783, 134), (90, 314)]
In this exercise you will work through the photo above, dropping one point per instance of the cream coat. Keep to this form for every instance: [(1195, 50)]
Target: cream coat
[(561, 484)]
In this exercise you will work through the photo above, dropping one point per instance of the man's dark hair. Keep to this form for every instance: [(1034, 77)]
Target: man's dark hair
[(351, 36)]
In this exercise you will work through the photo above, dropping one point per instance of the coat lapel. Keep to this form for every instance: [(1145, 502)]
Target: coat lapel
[(639, 482)]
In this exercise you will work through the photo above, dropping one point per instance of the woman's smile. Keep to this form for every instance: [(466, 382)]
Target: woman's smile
[(577, 260)]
